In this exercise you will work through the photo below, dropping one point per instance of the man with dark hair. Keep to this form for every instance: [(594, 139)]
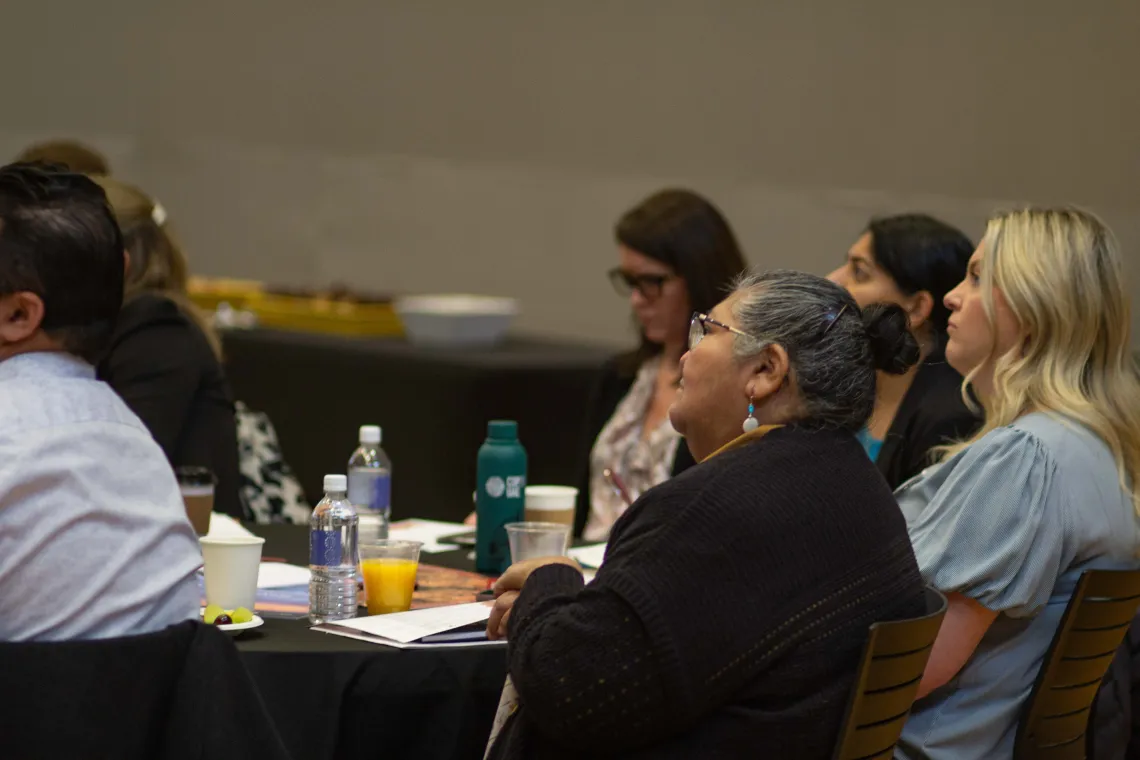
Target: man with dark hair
[(94, 538), (61, 261)]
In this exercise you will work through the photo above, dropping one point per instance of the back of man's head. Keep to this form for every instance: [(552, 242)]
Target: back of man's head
[(61, 262)]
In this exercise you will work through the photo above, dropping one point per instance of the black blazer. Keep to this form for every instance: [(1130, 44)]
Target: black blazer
[(162, 366), (932, 413), (614, 381)]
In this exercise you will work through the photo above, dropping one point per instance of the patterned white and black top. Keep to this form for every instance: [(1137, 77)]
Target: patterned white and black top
[(269, 489), (642, 459)]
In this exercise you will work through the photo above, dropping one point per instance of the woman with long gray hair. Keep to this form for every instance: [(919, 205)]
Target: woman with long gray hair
[(729, 615)]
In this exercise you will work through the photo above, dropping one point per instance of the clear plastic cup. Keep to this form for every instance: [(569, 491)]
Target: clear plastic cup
[(197, 487), (389, 569), (529, 540)]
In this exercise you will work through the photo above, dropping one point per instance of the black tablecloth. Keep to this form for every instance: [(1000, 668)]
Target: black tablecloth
[(334, 697), (433, 404)]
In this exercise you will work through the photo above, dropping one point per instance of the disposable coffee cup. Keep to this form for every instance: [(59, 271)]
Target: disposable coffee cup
[(197, 486), (551, 504), (231, 566)]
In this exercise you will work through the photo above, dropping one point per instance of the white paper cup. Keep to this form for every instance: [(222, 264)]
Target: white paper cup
[(553, 504), (231, 570)]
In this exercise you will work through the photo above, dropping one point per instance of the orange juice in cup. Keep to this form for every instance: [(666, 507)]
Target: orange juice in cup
[(389, 570)]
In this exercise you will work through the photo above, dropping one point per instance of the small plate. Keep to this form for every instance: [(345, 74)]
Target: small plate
[(236, 629)]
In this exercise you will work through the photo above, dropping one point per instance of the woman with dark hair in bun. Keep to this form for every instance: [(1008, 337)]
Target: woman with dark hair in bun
[(732, 607), (912, 260)]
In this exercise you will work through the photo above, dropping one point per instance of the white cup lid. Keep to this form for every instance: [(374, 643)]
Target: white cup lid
[(551, 497)]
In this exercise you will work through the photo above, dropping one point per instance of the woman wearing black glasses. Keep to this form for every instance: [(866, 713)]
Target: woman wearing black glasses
[(677, 254)]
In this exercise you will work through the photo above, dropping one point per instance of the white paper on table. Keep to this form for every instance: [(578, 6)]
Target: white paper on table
[(589, 556), (406, 627), (279, 575), (224, 526), (348, 633), (427, 531)]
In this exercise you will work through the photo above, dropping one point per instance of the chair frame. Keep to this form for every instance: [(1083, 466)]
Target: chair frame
[(1081, 637), (894, 649)]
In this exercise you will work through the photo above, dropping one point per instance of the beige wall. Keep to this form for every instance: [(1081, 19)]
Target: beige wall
[(488, 147)]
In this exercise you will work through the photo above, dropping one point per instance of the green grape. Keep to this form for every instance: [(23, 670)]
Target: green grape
[(211, 613), (242, 615)]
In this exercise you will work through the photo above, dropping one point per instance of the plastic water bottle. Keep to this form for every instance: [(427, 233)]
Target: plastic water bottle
[(370, 484), (499, 495), (333, 554)]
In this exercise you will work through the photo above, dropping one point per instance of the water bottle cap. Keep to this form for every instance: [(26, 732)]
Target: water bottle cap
[(503, 430), (335, 483), (370, 434)]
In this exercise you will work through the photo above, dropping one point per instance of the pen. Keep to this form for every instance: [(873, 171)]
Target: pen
[(619, 487)]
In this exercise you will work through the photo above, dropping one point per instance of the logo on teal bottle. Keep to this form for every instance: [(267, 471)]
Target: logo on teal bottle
[(495, 487)]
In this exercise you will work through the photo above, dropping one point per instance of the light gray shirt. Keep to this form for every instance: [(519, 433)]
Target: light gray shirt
[(94, 538), (1011, 521)]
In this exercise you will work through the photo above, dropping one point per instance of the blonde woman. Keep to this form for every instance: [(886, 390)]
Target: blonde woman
[(1010, 519), (165, 360)]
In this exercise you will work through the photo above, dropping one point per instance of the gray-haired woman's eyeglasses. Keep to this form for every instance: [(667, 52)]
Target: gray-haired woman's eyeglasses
[(698, 329)]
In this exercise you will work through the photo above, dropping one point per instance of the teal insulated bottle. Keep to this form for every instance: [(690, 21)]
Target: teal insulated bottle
[(499, 494)]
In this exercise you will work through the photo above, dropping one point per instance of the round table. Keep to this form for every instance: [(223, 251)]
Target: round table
[(334, 697)]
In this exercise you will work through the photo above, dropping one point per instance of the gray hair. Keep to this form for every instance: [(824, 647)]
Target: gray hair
[(833, 347)]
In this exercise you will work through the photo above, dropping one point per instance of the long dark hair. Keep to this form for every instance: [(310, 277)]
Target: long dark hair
[(686, 232), (920, 252)]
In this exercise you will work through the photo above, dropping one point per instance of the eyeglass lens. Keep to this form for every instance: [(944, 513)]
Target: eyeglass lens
[(696, 331), (649, 285)]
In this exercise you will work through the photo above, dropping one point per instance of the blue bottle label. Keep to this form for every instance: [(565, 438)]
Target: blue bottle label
[(381, 500), (324, 548)]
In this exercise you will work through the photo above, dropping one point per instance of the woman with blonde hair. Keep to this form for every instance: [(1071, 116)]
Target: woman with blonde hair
[(165, 358), (1045, 490)]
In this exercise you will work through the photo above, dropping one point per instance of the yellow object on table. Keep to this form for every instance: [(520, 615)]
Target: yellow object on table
[(325, 315), (207, 293), (333, 312), (389, 584)]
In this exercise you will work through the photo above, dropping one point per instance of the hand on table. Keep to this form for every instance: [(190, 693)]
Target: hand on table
[(507, 591), (469, 521)]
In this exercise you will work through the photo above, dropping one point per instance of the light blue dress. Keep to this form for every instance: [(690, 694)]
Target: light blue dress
[(1011, 522)]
